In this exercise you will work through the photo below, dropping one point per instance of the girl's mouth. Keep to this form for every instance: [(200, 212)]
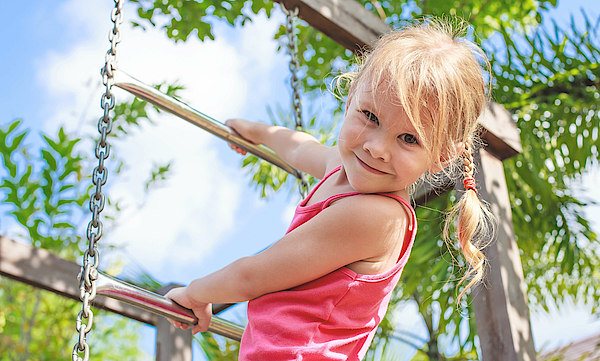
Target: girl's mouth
[(369, 168)]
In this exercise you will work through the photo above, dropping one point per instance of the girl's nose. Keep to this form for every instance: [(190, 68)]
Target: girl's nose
[(377, 148)]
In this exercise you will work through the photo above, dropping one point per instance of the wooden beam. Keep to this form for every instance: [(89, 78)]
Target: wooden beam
[(347, 22), (500, 133), (500, 304), (40, 268)]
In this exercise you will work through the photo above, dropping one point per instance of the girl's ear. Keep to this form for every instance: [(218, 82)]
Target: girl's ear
[(446, 159)]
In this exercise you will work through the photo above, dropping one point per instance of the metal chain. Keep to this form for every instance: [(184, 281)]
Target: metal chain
[(292, 45), (91, 257), (295, 82)]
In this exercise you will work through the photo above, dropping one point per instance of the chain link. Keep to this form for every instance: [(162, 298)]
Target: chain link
[(292, 46), (91, 257)]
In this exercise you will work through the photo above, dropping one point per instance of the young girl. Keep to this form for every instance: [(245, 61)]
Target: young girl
[(320, 292)]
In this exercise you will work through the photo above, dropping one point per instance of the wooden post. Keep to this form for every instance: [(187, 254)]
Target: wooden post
[(500, 303), (172, 344)]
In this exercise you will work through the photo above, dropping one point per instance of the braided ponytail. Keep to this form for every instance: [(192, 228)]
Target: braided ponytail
[(474, 226)]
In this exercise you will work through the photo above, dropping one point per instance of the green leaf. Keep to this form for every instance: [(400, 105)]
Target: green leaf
[(66, 187), (7, 150), (62, 202), (63, 225), (49, 159)]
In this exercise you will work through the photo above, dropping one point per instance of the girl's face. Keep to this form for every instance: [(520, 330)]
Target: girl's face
[(379, 147)]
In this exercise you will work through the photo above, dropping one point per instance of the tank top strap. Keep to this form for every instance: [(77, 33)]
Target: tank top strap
[(328, 201), (413, 217), (312, 191)]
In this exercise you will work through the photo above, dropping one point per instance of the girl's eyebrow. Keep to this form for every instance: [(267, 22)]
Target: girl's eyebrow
[(367, 105)]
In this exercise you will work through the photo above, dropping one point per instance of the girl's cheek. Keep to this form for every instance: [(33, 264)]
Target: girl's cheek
[(355, 131)]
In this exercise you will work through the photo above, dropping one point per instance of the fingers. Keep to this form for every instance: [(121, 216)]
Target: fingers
[(184, 326), (197, 328), (234, 132), (230, 122), (237, 149), (201, 326), (181, 325)]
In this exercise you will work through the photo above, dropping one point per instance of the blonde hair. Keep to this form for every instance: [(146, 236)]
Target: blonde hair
[(436, 75)]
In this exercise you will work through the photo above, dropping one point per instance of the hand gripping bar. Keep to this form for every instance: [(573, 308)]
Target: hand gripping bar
[(184, 111), (111, 287)]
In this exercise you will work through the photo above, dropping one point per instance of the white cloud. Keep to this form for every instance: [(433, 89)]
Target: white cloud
[(213, 71), (187, 219)]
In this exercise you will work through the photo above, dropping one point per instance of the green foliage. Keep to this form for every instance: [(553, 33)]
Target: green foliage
[(321, 58), (183, 17), (217, 348), (37, 324), (45, 191), (551, 82), (128, 115), (159, 174)]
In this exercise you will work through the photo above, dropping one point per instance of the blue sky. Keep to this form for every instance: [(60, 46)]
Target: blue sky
[(206, 216)]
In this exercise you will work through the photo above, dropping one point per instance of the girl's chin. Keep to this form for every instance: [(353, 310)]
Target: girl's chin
[(366, 187)]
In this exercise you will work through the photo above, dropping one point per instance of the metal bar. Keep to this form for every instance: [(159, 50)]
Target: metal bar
[(184, 111), (111, 287)]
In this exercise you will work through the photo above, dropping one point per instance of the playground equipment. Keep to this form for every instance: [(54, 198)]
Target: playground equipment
[(91, 281)]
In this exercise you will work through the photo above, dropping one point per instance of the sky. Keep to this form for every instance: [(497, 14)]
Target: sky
[(206, 215)]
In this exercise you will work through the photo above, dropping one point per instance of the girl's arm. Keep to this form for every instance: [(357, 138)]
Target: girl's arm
[(352, 229), (300, 150)]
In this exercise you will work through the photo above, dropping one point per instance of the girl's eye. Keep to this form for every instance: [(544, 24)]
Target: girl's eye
[(370, 116), (408, 138)]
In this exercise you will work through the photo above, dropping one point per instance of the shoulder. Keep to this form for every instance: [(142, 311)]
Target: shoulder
[(376, 215)]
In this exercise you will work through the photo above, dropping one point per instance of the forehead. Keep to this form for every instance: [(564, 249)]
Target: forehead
[(379, 94), (383, 97)]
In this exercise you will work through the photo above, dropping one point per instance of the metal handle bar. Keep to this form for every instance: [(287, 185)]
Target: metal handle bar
[(184, 111), (111, 287)]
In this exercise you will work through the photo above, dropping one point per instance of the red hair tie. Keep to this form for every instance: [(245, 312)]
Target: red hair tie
[(470, 184)]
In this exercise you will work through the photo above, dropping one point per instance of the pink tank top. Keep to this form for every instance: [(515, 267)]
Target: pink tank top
[(331, 318)]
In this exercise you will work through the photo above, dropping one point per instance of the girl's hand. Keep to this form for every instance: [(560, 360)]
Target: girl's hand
[(243, 129), (203, 311)]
